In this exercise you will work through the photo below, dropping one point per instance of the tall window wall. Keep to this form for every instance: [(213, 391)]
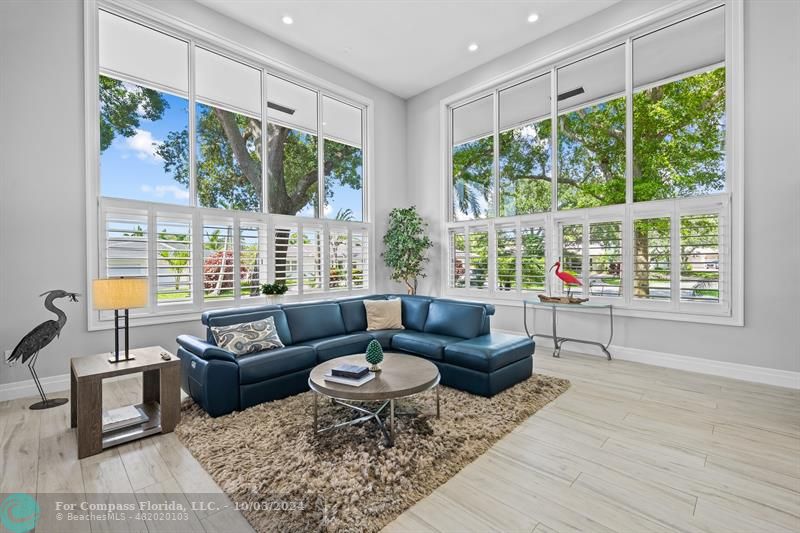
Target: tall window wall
[(215, 175), (613, 163)]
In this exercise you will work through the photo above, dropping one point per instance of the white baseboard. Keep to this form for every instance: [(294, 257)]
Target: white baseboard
[(755, 374), (53, 384)]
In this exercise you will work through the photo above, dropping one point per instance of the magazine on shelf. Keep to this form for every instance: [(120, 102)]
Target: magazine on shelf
[(123, 417), (347, 381)]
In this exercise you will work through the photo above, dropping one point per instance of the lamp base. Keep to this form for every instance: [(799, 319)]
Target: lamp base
[(48, 403), (112, 359)]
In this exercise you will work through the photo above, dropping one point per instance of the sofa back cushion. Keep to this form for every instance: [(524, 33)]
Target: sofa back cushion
[(354, 314), (314, 321), (414, 311), (454, 319), (228, 317)]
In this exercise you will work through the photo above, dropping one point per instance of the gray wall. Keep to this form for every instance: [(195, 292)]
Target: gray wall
[(772, 191), (42, 187)]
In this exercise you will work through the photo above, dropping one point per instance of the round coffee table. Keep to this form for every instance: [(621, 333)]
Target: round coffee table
[(400, 376)]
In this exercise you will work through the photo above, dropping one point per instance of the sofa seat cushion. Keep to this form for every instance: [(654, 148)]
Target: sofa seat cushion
[(428, 345), (339, 345), (488, 353), (384, 336), (273, 363)]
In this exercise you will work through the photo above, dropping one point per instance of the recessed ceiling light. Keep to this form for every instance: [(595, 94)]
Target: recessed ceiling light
[(533, 17), (287, 20), (472, 47)]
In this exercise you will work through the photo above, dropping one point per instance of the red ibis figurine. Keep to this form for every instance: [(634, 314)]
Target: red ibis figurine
[(568, 279)]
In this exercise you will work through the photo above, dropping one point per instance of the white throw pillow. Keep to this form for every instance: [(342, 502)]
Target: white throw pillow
[(248, 337), (384, 314)]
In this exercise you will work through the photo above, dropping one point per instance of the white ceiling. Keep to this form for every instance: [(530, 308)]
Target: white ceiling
[(407, 46)]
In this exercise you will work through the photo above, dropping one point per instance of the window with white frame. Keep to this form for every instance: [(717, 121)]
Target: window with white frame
[(215, 175), (612, 163)]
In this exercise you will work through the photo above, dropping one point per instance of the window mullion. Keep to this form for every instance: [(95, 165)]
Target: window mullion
[(518, 252), (237, 259), (627, 256), (300, 247), (491, 267), (467, 260), (554, 140), (628, 120), (496, 154), (265, 208), (585, 260), (152, 261), (320, 160), (325, 250), (192, 125), (675, 257)]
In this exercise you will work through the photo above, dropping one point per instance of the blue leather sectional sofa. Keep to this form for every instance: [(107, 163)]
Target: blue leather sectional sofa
[(453, 335)]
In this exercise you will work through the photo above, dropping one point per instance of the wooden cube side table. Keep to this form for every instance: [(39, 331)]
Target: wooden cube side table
[(161, 397)]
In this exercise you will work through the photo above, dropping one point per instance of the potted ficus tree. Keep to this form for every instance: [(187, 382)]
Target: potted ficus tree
[(274, 291), (406, 244)]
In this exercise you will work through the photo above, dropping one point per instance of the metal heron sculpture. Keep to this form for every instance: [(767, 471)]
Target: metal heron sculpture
[(27, 351)]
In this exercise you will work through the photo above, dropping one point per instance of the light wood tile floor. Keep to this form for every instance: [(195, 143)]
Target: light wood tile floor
[(628, 448)]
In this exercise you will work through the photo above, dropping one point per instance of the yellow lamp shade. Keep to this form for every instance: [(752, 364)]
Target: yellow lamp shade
[(119, 293)]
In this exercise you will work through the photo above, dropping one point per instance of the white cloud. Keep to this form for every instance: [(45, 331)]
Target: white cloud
[(159, 191), (144, 145)]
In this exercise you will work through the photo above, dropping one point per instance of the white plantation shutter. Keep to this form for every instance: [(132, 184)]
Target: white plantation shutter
[(572, 253), (506, 257), (478, 258), (360, 259), (605, 259), (652, 259), (126, 246), (337, 259), (252, 258), (286, 255), (532, 253), (701, 257), (173, 260), (458, 258), (312, 260), (218, 260)]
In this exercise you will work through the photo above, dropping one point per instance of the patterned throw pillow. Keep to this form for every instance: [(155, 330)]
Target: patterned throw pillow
[(248, 337)]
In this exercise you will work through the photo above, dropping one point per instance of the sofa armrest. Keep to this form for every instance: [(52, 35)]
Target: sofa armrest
[(204, 350)]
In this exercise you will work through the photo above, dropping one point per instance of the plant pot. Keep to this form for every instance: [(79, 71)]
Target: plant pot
[(274, 299)]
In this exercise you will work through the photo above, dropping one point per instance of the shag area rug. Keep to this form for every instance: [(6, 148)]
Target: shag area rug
[(346, 479)]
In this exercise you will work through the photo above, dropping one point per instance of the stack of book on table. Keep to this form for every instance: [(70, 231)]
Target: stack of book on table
[(347, 374)]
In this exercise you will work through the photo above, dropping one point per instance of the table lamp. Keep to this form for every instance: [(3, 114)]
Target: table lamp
[(119, 294)]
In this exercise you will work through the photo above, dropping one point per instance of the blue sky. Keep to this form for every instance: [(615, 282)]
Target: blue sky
[(131, 169)]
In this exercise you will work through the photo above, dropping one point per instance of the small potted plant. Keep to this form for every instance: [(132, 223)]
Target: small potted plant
[(274, 291)]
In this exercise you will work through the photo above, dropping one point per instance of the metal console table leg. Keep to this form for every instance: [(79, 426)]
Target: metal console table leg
[(558, 342)]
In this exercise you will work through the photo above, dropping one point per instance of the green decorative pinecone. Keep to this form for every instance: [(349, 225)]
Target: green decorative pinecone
[(374, 354)]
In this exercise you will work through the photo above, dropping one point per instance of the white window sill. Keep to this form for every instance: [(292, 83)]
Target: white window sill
[(699, 313)]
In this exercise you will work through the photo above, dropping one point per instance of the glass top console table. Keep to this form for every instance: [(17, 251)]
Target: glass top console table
[(558, 341)]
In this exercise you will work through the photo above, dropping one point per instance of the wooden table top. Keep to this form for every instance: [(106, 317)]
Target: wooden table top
[(401, 375), (97, 366)]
